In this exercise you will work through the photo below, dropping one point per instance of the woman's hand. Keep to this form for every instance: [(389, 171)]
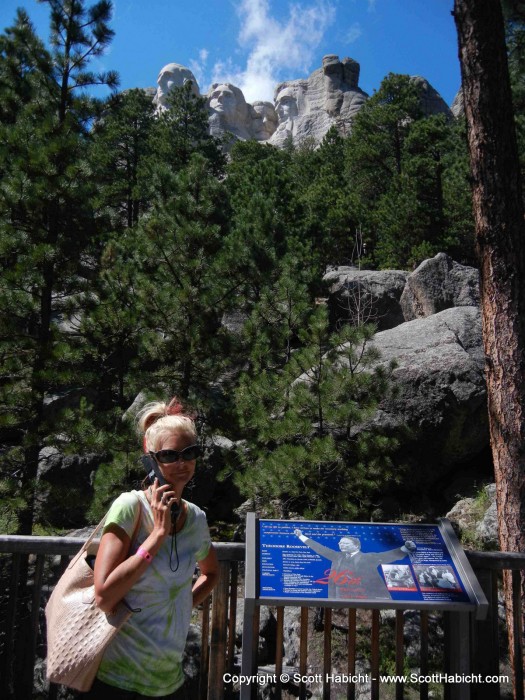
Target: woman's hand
[(115, 571), (161, 500)]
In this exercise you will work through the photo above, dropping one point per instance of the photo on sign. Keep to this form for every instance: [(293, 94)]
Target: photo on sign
[(398, 577), (436, 578)]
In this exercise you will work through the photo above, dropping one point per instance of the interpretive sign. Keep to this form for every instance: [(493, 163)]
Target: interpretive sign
[(355, 565), (373, 565)]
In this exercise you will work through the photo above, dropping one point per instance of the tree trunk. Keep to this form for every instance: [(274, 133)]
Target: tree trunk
[(500, 234)]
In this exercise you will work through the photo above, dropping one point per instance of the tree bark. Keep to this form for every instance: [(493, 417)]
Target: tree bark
[(500, 235)]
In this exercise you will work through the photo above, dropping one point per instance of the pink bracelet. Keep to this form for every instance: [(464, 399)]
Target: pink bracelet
[(144, 554)]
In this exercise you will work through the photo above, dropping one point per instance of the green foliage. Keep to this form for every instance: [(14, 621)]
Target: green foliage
[(180, 284), (47, 223), (112, 478), (325, 195), (119, 156), (409, 176), (179, 132), (302, 444), (265, 215), (125, 236)]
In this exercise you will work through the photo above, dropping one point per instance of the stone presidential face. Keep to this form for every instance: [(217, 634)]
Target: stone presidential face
[(286, 105), (222, 99), (264, 120), (173, 75), (227, 104)]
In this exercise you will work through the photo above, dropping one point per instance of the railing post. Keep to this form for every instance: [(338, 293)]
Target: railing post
[(517, 652), (485, 642), (7, 661), (457, 653), (250, 636), (219, 626)]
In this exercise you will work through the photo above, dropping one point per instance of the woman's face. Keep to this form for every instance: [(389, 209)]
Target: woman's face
[(180, 472)]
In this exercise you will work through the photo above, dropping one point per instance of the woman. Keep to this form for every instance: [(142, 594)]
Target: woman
[(149, 561)]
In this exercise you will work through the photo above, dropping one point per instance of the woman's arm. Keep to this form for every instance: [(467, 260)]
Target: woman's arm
[(115, 571), (209, 568)]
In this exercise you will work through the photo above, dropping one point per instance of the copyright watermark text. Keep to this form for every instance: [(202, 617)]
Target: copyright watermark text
[(341, 678)]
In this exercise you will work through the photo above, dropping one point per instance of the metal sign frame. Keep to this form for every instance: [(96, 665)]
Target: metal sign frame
[(294, 566)]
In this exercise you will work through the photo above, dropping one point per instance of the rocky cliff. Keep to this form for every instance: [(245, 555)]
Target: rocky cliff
[(302, 110)]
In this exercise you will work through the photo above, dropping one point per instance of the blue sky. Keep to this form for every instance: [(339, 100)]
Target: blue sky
[(257, 43)]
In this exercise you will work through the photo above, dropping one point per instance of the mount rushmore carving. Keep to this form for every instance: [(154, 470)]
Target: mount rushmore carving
[(302, 109)]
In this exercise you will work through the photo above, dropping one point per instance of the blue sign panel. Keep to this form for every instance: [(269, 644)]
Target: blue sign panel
[(356, 562)]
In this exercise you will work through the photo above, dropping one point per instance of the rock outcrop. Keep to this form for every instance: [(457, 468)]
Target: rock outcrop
[(430, 99), (476, 519), (170, 76), (369, 296), (229, 112), (303, 110), (440, 411), (458, 107), (437, 284), (330, 96)]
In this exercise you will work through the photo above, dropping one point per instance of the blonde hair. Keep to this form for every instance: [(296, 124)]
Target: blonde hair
[(158, 420)]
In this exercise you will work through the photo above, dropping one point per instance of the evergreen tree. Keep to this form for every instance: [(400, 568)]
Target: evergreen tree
[(271, 334), (408, 176), (119, 153), (427, 208), (379, 130), (178, 133), (23, 57), (181, 287), (328, 204), (266, 216), (46, 224), (302, 444)]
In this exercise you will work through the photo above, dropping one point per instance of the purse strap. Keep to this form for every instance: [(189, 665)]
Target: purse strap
[(97, 530)]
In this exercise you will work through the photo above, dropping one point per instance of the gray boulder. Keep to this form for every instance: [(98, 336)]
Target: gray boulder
[(487, 528), (370, 296), (440, 412), (463, 515), (439, 283), (65, 487), (476, 519)]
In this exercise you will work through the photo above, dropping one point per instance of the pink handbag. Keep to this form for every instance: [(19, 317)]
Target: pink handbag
[(77, 631)]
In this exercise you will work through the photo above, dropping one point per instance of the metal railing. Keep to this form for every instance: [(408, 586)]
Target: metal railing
[(471, 646)]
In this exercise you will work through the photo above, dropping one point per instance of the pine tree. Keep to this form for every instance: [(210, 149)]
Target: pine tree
[(120, 154), (180, 285), (271, 333), (266, 216), (178, 133), (47, 224), (302, 443), (408, 178), (328, 203)]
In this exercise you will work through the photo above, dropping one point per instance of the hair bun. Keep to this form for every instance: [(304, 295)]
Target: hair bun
[(174, 408)]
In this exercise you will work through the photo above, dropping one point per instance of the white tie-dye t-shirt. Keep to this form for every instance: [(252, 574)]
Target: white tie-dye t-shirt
[(146, 655)]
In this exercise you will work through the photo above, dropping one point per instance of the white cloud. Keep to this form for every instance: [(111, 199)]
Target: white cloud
[(276, 49), (353, 33), (199, 67)]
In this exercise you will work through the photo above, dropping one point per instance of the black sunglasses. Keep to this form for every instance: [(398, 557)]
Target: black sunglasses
[(168, 456)]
